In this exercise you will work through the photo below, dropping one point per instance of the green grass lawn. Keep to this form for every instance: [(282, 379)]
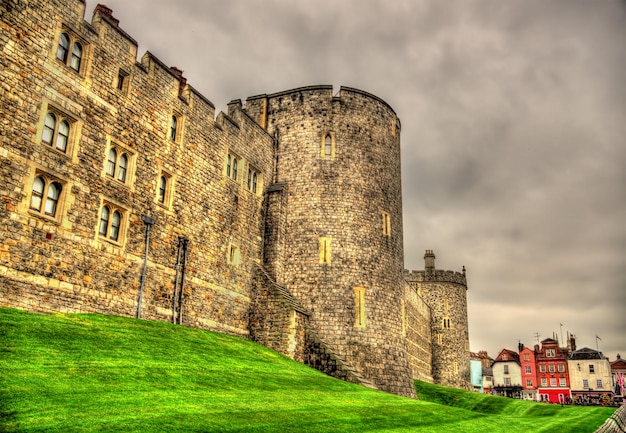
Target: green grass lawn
[(94, 373)]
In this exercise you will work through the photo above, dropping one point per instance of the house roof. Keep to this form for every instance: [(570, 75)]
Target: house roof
[(586, 353)]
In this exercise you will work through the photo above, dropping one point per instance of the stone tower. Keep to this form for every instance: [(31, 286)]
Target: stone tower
[(446, 294), (333, 234)]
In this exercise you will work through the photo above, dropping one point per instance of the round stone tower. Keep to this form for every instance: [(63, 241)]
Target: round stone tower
[(333, 233), (446, 294)]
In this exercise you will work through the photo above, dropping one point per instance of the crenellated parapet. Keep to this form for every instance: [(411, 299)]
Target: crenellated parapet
[(436, 276)]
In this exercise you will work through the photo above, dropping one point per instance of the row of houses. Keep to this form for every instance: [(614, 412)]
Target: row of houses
[(550, 373)]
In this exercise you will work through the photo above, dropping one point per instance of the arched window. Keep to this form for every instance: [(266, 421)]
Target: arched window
[(173, 125), (64, 47), (328, 145), (51, 190), (77, 56), (54, 191), (121, 169), (162, 189), (111, 219), (104, 220), (119, 163), (111, 162), (49, 127), (228, 165), (63, 135), (37, 193), (234, 168), (115, 225), (56, 131), (254, 180)]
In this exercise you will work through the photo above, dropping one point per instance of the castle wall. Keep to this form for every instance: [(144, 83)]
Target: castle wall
[(445, 292), (62, 262), (416, 319), (336, 256), (280, 221)]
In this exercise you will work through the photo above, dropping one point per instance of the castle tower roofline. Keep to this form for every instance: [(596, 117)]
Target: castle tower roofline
[(322, 87)]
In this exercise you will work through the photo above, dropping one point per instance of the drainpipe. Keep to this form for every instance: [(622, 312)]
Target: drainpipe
[(176, 285), (148, 221), (185, 242)]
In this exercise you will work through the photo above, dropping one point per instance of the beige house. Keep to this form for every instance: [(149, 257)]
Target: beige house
[(590, 374)]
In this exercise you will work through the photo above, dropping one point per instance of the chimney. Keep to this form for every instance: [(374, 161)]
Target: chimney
[(520, 347), (107, 12), (179, 74), (429, 259)]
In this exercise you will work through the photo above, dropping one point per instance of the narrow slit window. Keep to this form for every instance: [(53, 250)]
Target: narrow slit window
[(328, 145), (173, 128), (162, 189), (325, 250), (386, 223), (359, 307)]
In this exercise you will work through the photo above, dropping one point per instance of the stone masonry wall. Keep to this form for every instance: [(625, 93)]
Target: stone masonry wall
[(341, 197), (416, 330), (445, 292), (348, 311), (61, 263)]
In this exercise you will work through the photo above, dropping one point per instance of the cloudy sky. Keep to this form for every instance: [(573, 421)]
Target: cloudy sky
[(513, 133)]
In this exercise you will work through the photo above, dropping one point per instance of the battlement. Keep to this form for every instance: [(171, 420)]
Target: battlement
[(438, 276), (259, 107)]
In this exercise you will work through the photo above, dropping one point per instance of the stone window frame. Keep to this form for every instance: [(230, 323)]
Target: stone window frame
[(328, 149), (359, 307), (68, 56), (439, 339), (104, 231), (445, 323), (48, 180), (120, 150), (325, 252), (455, 367), (175, 127), (386, 223), (122, 81), (233, 166), (164, 195), (60, 117), (254, 180), (233, 254)]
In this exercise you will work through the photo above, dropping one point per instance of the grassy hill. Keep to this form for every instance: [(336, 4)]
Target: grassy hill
[(86, 373)]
